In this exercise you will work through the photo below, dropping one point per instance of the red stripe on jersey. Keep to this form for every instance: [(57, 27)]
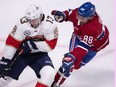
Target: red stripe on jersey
[(51, 43), (13, 42)]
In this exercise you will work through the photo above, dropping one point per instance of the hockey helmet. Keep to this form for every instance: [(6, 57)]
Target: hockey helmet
[(34, 11), (86, 10)]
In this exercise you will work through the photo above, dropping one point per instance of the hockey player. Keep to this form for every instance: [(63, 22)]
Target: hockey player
[(28, 45), (89, 37)]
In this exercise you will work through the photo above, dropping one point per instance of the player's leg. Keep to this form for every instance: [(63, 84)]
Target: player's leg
[(5, 82), (90, 55), (88, 58), (47, 76), (44, 70), (17, 68), (59, 78)]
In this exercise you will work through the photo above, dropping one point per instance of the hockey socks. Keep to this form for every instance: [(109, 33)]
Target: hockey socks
[(40, 85), (59, 80)]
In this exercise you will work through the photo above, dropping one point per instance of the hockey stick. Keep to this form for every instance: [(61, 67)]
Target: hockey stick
[(14, 59)]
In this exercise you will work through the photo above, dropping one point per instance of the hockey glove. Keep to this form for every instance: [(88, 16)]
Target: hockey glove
[(68, 64), (58, 15), (35, 38), (5, 67), (28, 46), (65, 70)]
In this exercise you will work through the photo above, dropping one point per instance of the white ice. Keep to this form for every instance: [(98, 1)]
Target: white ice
[(97, 73)]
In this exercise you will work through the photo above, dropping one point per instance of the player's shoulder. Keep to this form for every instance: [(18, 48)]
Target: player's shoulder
[(72, 13), (48, 19), (21, 22), (49, 22), (22, 26)]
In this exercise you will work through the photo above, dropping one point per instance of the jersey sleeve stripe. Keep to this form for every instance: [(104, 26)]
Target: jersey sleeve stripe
[(82, 44), (13, 42), (51, 43), (82, 48)]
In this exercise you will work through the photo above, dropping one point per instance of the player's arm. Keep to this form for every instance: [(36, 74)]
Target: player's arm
[(41, 43), (61, 16), (50, 36), (15, 38), (50, 42), (45, 42), (82, 48), (13, 42), (102, 41)]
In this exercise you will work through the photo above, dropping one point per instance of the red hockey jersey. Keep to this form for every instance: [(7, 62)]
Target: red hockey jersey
[(93, 33)]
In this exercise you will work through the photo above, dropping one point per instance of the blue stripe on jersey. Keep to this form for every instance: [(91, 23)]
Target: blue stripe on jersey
[(84, 45), (73, 42), (76, 41), (101, 35)]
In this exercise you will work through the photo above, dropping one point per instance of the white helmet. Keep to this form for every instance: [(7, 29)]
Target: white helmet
[(34, 11)]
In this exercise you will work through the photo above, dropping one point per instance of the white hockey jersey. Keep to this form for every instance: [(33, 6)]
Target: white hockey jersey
[(23, 28)]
